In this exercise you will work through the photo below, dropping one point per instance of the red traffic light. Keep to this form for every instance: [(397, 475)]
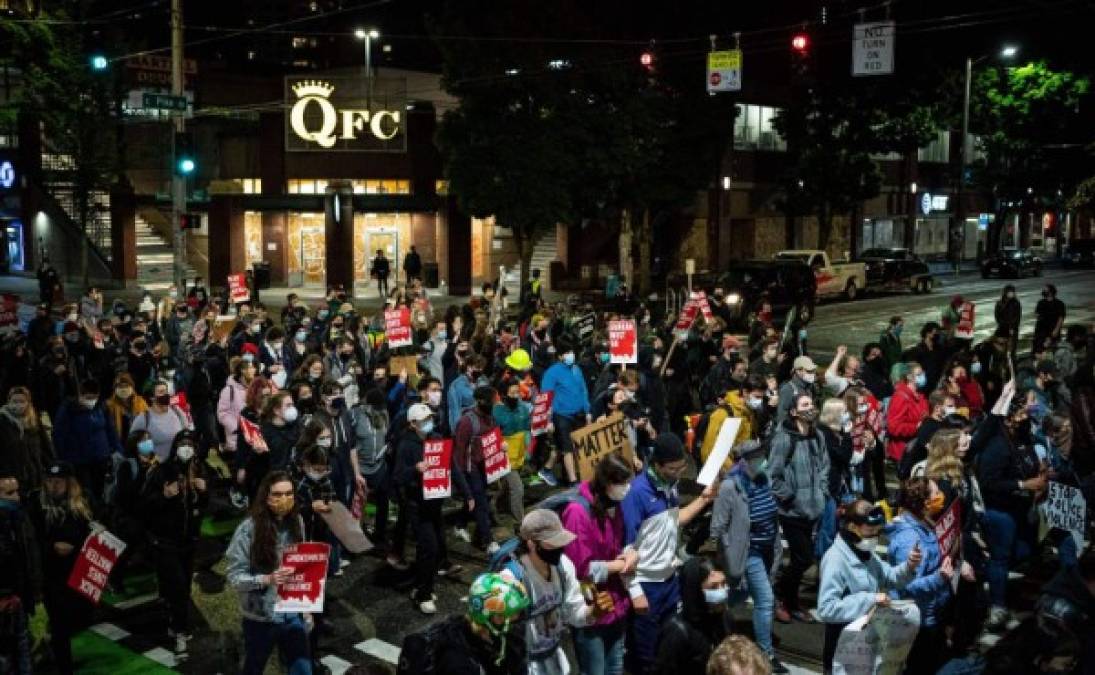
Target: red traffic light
[(800, 42), (647, 59)]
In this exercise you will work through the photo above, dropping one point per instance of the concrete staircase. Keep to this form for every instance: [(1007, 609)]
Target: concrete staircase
[(543, 253), (154, 258)]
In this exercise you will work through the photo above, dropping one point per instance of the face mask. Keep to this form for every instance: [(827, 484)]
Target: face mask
[(337, 403), (758, 466), (427, 427), (897, 330), (290, 414), (867, 544), (845, 418), (617, 492), (771, 355), (442, 335), (934, 504), (163, 400), (715, 596), (17, 410), (255, 330), (568, 359), (314, 375), (511, 401), (802, 335), (173, 294), (1011, 295), (433, 398), (248, 358), (281, 506), (863, 408), (549, 555), (185, 453), (324, 442), (756, 403), (300, 336), (809, 378), (124, 392), (146, 446), (603, 358), (807, 416), (921, 380), (949, 410), (975, 367), (323, 314), (88, 403)]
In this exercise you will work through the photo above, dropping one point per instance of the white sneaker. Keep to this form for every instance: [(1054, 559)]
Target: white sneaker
[(427, 607), (462, 534), (343, 564), (180, 642)]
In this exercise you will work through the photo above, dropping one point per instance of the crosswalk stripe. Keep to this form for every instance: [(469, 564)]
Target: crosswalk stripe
[(385, 651), (163, 657), (336, 665), (110, 631), (799, 670)]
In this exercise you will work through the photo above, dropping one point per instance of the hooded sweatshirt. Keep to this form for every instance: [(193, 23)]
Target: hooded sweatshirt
[(798, 465), (929, 589)]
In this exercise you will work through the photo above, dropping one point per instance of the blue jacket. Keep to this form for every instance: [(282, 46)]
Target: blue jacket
[(929, 589), (84, 436), (571, 395), (651, 528), (848, 585), (461, 395), (513, 420)]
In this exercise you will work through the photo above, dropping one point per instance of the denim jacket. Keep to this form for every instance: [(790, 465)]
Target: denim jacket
[(256, 599)]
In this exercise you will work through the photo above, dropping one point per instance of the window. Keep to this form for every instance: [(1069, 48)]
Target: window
[(307, 186), (300, 42), (390, 186), (938, 150), (753, 129), (250, 186), (441, 187)]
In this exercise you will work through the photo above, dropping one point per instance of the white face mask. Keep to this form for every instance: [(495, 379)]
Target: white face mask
[(949, 410), (185, 452), (755, 403), (617, 492), (715, 596), (324, 442), (433, 398), (867, 544), (809, 378), (290, 414)]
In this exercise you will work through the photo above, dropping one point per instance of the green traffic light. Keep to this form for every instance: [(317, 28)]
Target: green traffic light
[(99, 62), (187, 166)]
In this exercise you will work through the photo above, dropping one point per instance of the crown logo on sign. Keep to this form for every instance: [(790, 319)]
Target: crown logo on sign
[(312, 88)]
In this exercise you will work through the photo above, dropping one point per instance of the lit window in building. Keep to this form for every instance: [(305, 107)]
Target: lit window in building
[(250, 186), (753, 129), (938, 150), (441, 187), (300, 42), (251, 55), (382, 186)]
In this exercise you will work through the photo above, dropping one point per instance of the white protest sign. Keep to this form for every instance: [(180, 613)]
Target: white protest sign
[(872, 48), (723, 443), (1066, 508), (878, 643)]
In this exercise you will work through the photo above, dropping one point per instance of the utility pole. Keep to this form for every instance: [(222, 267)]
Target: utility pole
[(958, 240), (178, 182)]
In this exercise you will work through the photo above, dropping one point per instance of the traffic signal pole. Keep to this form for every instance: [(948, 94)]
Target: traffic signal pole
[(178, 182)]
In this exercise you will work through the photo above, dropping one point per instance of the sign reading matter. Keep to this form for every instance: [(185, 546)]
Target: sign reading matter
[(872, 48), (541, 412), (623, 341), (495, 458), (437, 478), (966, 314), (724, 71), (1066, 508), (594, 442), (305, 589), (98, 556)]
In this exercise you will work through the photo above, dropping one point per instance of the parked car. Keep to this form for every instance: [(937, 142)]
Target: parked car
[(788, 285), (833, 278), (896, 269), (1079, 253), (1011, 262)]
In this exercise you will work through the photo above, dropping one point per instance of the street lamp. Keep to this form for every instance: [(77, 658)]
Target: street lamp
[(1006, 52), (368, 35)]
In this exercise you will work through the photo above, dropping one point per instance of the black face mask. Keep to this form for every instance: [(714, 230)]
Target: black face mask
[(549, 555), (485, 407), (511, 401)]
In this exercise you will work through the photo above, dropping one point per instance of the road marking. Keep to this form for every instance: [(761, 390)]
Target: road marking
[(385, 651), (162, 657), (110, 631), (137, 601), (799, 670), (336, 665)]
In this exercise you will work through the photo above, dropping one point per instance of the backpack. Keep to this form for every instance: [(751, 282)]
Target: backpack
[(419, 653), (505, 558), (110, 488), (701, 428)]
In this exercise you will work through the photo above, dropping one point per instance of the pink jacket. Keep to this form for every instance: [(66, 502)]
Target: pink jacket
[(597, 542), (232, 400)]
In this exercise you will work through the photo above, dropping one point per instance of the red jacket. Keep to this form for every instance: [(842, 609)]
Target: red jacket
[(908, 408), (972, 397)]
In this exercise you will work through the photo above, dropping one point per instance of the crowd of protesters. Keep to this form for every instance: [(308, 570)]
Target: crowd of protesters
[(135, 418)]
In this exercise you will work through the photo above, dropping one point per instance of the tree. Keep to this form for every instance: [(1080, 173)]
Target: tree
[(1023, 116)]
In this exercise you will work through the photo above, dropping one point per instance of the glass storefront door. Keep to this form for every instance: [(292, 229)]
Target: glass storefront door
[(383, 239)]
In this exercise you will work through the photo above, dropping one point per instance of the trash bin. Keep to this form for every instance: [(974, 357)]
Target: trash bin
[(430, 275), (261, 274)]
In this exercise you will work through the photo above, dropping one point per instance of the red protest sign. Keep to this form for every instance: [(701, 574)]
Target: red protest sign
[(700, 298), (623, 341), (437, 479), (541, 412), (397, 327), (98, 556), (305, 589), (948, 530), (964, 329), (495, 458), (252, 434), (686, 319), (237, 288)]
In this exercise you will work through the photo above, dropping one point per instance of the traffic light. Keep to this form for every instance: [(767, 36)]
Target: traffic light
[(800, 42), (99, 62), (186, 160), (190, 221)]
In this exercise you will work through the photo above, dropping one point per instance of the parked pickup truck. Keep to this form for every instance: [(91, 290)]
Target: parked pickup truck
[(896, 269), (833, 279)]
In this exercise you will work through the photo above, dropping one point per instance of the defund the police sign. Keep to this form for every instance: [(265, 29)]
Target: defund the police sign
[(345, 114)]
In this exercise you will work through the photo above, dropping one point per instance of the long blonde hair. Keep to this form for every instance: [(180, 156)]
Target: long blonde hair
[(943, 461), (75, 503), (30, 419)]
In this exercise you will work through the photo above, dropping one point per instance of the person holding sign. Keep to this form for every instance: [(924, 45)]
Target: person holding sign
[(514, 417), (652, 521), (853, 579), (254, 570), (469, 470), (921, 503), (62, 521)]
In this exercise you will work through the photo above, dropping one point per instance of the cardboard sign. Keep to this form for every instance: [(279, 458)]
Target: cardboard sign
[(397, 327), (437, 480), (346, 528), (396, 364), (541, 412), (98, 556), (594, 442), (728, 433), (964, 329), (879, 641), (237, 288), (305, 589), (686, 319), (1066, 508), (623, 342), (495, 458), (584, 326)]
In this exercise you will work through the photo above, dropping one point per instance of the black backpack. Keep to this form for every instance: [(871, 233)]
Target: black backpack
[(701, 428), (421, 649)]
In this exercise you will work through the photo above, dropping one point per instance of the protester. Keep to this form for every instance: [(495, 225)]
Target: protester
[(687, 638), (736, 655), (27, 448), (163, 420)]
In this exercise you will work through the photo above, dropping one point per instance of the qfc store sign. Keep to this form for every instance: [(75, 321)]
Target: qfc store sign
[(345, 114)]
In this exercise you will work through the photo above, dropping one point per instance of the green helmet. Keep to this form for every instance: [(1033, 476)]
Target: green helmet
[(495, 599)]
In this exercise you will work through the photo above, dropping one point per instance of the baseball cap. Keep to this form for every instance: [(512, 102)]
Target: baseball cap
[(419, 412), (544, 527), (805, 363), (60, 470)]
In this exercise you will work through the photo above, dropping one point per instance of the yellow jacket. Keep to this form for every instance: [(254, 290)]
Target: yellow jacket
[(733, 405)]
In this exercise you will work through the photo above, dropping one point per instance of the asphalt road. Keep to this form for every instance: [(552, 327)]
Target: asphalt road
[(369, 610)]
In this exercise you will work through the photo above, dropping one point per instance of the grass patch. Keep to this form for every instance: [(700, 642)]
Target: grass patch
[(94, 654)]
